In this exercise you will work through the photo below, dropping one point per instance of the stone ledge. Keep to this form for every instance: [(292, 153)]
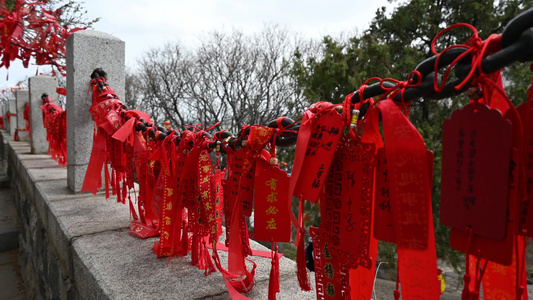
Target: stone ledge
[(106, 262), (90, 238)]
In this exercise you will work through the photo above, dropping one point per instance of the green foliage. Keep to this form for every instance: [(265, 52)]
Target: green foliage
[(10, 4), (392, 47)]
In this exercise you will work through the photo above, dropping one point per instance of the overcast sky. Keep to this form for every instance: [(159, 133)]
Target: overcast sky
[(148, 24)]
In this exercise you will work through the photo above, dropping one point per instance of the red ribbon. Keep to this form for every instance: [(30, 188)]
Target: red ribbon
[(410, 191), (54, 121)]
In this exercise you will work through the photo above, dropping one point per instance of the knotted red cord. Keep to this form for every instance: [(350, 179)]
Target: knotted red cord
[(273, 283), (348, 106), (475, 47), (399, 87), (279, 130)]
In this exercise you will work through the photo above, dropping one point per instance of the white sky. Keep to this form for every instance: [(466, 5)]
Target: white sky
[(149, 24)]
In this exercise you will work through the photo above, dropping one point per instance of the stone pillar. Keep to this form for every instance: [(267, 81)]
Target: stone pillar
[(13, 117), (3, 113), (6, 117), (40, 85), (86, 51), (5, 108), (23, 98)]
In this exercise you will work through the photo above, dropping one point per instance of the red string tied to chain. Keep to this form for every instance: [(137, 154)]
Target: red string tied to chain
[(476, 47)]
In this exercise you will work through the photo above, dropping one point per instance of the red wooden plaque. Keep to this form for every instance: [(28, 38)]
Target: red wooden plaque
[(271, 217), (325, 134), (526, 207), (346, 211), (327, 269), (476, 148), (499, 251)]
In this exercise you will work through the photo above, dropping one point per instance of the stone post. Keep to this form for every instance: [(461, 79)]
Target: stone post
[(13, 117), (3, 112), (6, 117), (86, 51), (5, 108), (40, 85), (23, 98), (5, 105)]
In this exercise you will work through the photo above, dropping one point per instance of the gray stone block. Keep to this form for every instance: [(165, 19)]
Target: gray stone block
[(86, 51), (75, 176), (67, 215), (68, 219), (30, 156), (23, 136), (102, 271), (40, 85), (39, 163), (48, 174), (20, 146)]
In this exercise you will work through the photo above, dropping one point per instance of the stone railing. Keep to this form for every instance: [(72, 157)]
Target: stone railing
[(76, 245)]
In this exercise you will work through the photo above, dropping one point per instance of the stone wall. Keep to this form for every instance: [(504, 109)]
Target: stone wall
[(46, 276)]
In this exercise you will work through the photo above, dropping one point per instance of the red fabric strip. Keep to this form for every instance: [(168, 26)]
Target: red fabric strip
[(410, 190), (93, 177), (260, 253)]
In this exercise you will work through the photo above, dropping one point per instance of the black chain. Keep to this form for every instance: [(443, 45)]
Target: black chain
[(516, 42)]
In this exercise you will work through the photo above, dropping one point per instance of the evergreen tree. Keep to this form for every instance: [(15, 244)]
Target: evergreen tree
[(392, 47)]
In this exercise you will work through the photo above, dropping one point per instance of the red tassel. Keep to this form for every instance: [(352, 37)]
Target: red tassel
[(397, 290), (520, 292), (273, 284), (132, 210), (474, 295), (117, 187), (396, 295), (246, 249), (194, 250), (209, 266), (124, 192), (113, 191), (466, 289), (107, 180), (184, 241), (301, 272), (201, 258)]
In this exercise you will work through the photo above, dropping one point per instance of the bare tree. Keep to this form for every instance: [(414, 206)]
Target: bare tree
[(224, 73), (230, 78), (163, 84), (134, 95), (244, 80)]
